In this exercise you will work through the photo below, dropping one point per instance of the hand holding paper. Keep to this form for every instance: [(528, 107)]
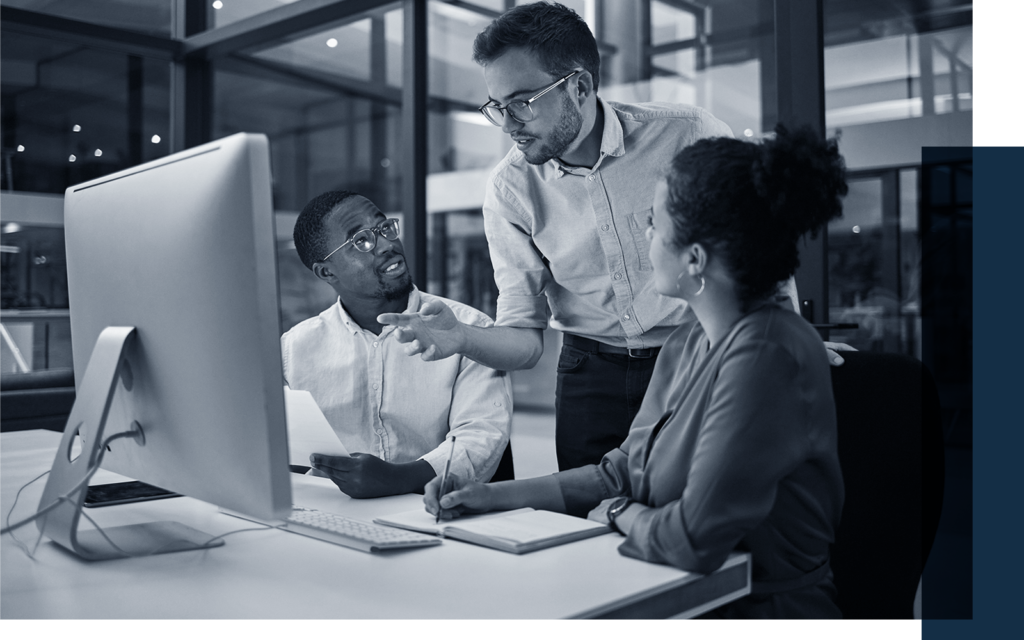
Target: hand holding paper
[(308, 429)]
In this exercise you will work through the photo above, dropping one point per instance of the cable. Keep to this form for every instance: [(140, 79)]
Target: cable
[(17, 496), (88, 476), (66, 497)]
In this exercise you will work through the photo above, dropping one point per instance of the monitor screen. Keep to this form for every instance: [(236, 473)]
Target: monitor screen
[(183, 250)]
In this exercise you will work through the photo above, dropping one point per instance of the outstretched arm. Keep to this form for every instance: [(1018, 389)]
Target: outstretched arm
[(435, 333)]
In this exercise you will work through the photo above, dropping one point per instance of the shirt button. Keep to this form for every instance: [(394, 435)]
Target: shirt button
[(591, 177), (625, 317), (374, 345), (604, 227), (618, 276), (376, 386)]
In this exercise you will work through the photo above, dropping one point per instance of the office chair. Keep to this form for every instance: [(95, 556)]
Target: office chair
[(892, 455)]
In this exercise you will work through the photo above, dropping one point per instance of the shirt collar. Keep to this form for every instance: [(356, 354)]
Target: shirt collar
[(412, 307), (611, 145)]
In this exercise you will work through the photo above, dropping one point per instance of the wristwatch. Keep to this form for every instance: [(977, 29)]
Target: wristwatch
[(616, 509)]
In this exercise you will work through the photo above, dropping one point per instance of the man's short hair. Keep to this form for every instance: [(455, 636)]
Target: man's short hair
[(310, 234), (556, 33)]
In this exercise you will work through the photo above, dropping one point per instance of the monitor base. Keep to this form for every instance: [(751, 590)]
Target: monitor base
[(68, 482)]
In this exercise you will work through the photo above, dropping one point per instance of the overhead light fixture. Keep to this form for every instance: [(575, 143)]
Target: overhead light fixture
[(98, 153), (332, 42), (155, 139), (76, 128), (856, 228), (72, 158), (218, 4), (12, 227), (21, 148)]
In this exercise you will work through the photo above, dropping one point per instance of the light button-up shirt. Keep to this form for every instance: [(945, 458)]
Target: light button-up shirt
[(569, 243), (400, 408)]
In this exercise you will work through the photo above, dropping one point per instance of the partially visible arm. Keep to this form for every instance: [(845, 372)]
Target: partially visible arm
[(435, 333), (473, 497)]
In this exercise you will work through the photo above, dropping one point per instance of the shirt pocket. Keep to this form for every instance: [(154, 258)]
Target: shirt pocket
[(638, 223)]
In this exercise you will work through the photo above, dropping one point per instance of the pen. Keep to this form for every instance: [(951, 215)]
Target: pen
[(444, 480)]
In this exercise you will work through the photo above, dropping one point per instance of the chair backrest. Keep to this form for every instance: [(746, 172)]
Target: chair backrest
[(892, 457)]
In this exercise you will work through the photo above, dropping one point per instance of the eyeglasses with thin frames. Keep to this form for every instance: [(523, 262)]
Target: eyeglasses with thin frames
[(365, 240), (520, 110)]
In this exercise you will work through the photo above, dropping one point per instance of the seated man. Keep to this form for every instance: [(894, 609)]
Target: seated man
[(395, 410)]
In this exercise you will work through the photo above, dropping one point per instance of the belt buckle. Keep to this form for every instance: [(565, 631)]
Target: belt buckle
[(639, 353)]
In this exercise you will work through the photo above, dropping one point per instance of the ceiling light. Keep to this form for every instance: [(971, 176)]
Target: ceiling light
[(21, 148), (76, 128), (333, 42), (218, 4), (72, 158), (155, 139)]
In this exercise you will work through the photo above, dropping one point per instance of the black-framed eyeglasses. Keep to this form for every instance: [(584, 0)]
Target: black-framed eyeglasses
[(520, 110), (366, 239)]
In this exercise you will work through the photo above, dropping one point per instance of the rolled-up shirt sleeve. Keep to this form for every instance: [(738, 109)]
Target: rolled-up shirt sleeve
[(480, 419), (520, 270)]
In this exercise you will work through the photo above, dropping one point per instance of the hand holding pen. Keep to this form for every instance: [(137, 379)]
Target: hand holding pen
[(464, 496)]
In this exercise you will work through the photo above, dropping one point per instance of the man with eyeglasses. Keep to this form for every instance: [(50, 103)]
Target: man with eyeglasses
[(565, 215), (395, 412)]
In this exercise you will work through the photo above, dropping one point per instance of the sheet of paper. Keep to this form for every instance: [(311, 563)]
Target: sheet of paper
[(308, 429), (420, 520), (529, 526)]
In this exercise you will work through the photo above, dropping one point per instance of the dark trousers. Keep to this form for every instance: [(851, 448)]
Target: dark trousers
[(596, 398)]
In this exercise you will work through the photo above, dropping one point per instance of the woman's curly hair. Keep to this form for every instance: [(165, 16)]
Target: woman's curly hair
[(750, 202)]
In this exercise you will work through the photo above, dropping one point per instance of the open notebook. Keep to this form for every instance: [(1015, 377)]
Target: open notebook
[(518, 531)]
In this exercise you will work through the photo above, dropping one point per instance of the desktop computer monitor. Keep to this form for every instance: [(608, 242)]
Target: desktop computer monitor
[(182, 249)]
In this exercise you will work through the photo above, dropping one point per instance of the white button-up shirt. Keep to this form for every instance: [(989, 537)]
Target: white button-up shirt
[(398, 407)]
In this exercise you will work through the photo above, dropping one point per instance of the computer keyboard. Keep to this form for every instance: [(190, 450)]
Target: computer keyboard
[(355, 534)]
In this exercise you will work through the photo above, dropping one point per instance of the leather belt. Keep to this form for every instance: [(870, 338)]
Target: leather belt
[(593, 346)]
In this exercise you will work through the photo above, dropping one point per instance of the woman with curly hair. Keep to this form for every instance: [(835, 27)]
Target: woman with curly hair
[(734, 447)]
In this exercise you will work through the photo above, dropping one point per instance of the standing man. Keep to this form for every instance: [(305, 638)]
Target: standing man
[(565, 215)]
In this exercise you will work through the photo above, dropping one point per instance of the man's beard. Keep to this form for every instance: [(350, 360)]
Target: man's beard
[(392, 290), (569, 125)]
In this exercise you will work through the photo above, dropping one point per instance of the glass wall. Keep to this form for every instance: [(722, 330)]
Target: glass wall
[(893, 65), (330, 103), (875, 264), (68, 114), (329, 97), (146, 16)]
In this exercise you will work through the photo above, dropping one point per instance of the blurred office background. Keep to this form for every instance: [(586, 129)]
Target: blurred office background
[(381, 97)]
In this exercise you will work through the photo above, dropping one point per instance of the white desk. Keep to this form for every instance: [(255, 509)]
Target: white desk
[(272, 574)]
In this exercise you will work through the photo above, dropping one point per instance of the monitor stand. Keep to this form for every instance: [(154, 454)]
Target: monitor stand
[(107, 367)]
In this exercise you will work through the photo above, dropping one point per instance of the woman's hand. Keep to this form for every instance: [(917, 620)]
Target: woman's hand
[(600, 512), (463, 497)]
